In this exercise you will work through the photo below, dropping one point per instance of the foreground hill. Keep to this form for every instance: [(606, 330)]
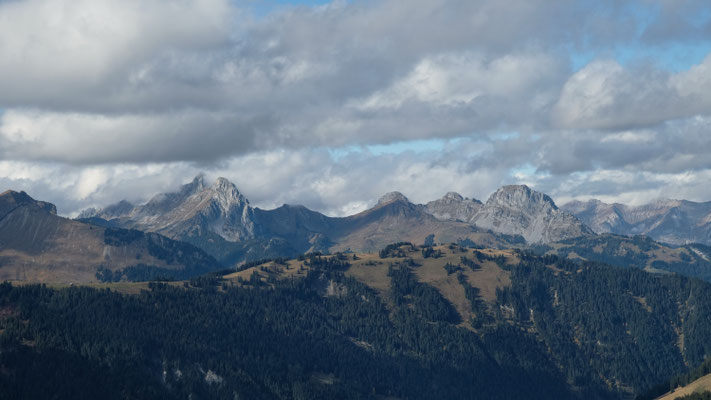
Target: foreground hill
[(676, 222), (605, 327), (36, 245), (416, 322)]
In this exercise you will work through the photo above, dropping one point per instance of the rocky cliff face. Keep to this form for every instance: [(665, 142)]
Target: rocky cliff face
[(518, 210), (599, 216), (195, 210), (454, 207), (671, 221)]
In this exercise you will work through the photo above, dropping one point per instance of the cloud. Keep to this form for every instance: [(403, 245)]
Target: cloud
[(605, 95), (107, 99), (79, 138), (74, 53)]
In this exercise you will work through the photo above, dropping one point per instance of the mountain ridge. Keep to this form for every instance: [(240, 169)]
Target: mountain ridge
[(677, 222), (220, 220)]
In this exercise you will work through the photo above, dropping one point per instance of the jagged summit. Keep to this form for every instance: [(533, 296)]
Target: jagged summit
[(520, 196), (453, 196), (519, 210), (453, 206), (226, 193), (391, 197), (197, 184), (194, 210), (110, 212)]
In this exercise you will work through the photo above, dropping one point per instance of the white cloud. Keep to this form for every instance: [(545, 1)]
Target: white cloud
[(606, 95)]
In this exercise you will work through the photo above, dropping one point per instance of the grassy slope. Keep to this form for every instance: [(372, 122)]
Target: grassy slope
[(40, 247), (372, 270), (700, 385)]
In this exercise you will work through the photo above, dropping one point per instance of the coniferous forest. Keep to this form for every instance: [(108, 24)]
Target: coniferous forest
[(560, 330)]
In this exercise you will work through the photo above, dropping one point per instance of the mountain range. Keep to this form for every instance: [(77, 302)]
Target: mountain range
[(219, 219), (216, 226), (677, 222)]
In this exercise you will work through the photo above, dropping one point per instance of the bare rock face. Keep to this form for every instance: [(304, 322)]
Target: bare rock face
[(454, 207), (599, 216), (391, 197), (518, 210), (192, 211), (677, 222)]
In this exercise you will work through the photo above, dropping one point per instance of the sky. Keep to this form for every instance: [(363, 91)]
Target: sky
[(331, 104)]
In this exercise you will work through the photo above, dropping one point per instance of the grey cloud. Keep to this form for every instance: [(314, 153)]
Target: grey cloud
[(289, 80), (60, 54), (167, 88), (93, 139), (671, 147)]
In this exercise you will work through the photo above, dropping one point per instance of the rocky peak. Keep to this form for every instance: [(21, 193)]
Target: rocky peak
[(518, 210), (453, 196), (453, 206), (120, 209), (226, 193), (391, 197), (196, 207), (520, 196), (197, 184), (223, 184), (601, 217)]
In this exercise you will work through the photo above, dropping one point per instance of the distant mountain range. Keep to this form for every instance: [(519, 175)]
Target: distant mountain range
[(219, 219), (219, 222), (676, 222)]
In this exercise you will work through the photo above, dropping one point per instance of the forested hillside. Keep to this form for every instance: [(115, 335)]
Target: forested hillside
[(414, 322)]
